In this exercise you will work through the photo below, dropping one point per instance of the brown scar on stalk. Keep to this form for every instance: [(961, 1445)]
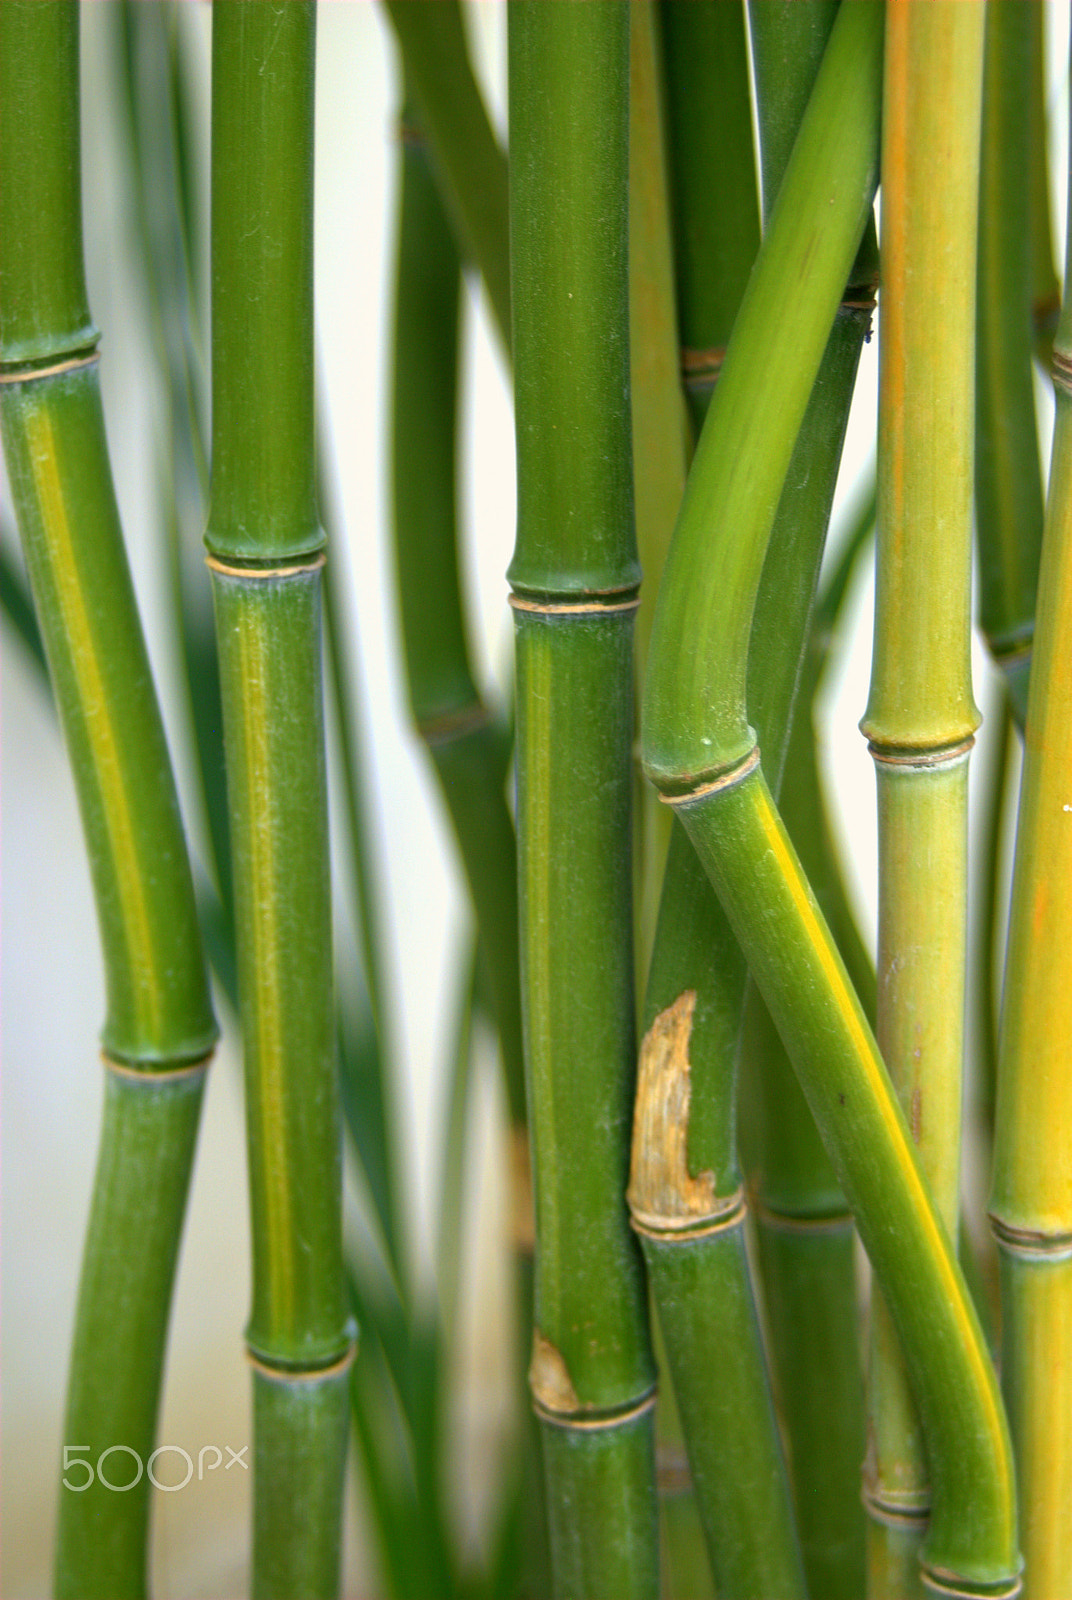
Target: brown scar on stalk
[(661, 1188)]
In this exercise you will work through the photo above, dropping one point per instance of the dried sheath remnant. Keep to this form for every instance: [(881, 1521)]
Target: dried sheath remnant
[(663, 1196), (549, 1379)]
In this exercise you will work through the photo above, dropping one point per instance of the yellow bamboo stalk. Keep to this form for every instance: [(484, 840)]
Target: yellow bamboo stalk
[(1031, 1202)]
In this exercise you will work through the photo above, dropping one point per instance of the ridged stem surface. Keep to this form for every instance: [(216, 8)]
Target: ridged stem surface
[(465, 745), (921, 716), (698, 747), (685, 1187), (1031, 1200), (802, 1221), (471, 165), (1008, 480), (159, 1026), (575, 577), (264, 541)]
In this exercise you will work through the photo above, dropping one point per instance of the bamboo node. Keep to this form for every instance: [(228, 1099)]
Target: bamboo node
[(939, 1581), (451, 725), (1062, 370), (154, 1072), (1045, 311), (922, 760), (71, 364), (1030, 1243), (790, 1222), (303, 1375), (700, 368), (663, 1196), (910, 1510), (672, 1474), (724, 780), (588, 605), (291, 570), (555, 1400)]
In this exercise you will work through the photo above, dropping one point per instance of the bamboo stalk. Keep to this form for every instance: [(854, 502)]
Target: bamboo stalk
[(661, 427), (1031, 1200), (749, 1528), (921, 717), (701, 753), (691, 1227), (466, 746), (804, 1230), (159, 1027), (1008, 480), (265, 555), (471, 166), (574, 578), (1046, 287)]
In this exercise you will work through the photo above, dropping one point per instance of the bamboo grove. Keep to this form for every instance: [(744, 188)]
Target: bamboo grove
[(711, 1095)]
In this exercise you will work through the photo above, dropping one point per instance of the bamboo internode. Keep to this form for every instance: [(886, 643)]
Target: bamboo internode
[(921, 716), (575, 574), (159, 1028), (265, 555), (695, 729), (1031, 1198)]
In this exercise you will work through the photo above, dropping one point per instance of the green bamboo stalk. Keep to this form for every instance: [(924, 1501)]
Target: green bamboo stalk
[(921, 717), (687, 1206), (16, 603), (708, 134), (803, 1229), (471, 165), (159, 1028), (1031, 1201), (661, 427), (1046, 286), (1008, 480), (468, 746), (574, 578), (265, 555), (700, 751), (803, 1226), (468, 749), (691, 1227), (746, 1557)]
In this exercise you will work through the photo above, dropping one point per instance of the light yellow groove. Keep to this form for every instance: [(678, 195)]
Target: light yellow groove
[(253, 661), (868, 1058), (100, 730)]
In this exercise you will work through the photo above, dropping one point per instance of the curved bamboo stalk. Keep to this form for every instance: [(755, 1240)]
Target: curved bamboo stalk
[(1031, 1201), (471, 165), (265, 555), (1008, 480), (574, 578), (159, 1027), (700, 751), (803, 1226), (804, 1229), (691, 1227)]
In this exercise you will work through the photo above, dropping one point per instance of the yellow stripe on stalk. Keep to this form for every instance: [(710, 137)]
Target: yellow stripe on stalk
[(101, 737), (889, 1111), (256, 703)]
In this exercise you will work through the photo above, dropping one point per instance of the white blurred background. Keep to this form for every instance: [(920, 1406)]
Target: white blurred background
[(52, 990)]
